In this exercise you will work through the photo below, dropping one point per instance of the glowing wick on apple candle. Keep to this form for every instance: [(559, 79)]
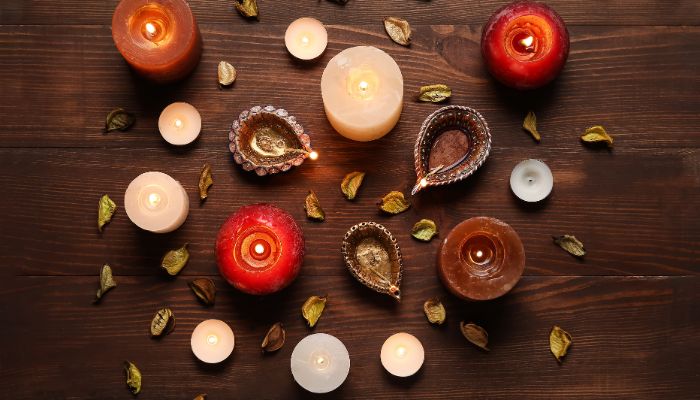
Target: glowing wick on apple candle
[(527, 42), (212, 339), (259, 248), (313, 155)]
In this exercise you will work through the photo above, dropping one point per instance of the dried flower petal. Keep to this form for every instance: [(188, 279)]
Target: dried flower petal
[(475, 334), (106, 282), (434, 93), (226, 73), (205, 181), (313, 308), (175, 260), (530, 125), (559, 342), (119, 120), (163, 322), (202, 396), (105, 211), (204, 289), (274, 339), (424, 230), (133, 377), (398, 29), (394, 203), (569, 243), (247, 8), (351, 184), (435, 311), (597, 134), (313, 207)]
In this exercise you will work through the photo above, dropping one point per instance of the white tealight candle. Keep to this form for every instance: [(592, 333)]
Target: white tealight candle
[(320, 363), (402, 354), (362, 90), (306, 38), (156, 202), (212, 341), (531, 180), (179, 124)]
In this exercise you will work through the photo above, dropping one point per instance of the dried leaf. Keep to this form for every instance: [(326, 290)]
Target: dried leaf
[(313, 308), (163, 322), (175, 260), (105, 211), (559, 342), (119, 120), (247, 8), (274, 339), (424, 230), (475, 334), (597, 134), (398, 29), (569, 243), (434, 93), (133, 377), (435, 311), (530, 125), (106, 282), (313, 207), (202, 396), (205, 180), (226, 73), (351, 184), (204, 289), (394, 203)]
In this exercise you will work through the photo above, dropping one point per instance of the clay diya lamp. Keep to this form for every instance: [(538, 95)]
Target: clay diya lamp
[(481, 258)]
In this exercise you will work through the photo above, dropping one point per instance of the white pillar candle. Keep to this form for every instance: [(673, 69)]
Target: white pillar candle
[(362, 90), (156, 202), (320, 363), (179, 124), (306, 38), (212, 341), (402, 354), (531, 180)]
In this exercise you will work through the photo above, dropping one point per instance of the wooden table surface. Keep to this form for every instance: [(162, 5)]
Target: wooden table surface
[(631, 305)]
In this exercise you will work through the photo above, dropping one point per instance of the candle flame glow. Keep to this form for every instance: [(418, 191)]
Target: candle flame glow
[(178, 123), (401, 351), (305, 40), (423, 182), (527, 42), (363, 86), (479, 253), (313, 155), (259, 248), (151, 29), (212, 339), (154, 200)]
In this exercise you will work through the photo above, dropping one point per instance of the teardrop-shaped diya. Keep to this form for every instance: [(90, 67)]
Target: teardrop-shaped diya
[(452, 144), (268, 140), (374, 258)]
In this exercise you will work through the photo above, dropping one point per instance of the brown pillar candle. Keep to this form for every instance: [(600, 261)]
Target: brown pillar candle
[(481, 258), (158, 38)]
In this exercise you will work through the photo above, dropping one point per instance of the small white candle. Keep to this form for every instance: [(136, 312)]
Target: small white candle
[(212, 341), (156, 202), (531, 180), (402, 354), (320, 363), (306, 38), (362, 90), (179, 124)]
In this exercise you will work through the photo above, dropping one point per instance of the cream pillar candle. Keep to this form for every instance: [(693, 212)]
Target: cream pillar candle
[(362, 90), (531, 180), (212, 341), (180, 124), (402, 354), (306, 38), (320, 363), (156, 202)]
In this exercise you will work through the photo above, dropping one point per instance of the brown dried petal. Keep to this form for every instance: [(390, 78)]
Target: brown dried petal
[(105, 211), (424, 230), (175, 260), (119, 120), (313, 308), (226, 73), (274, 339), (106, 282), (313, 207), (530, 125), (435, 311), (434, 93), (394, 203), (398, 29), (597, 134), (569, 243), (475, 334), (351, 184), (205, 181), (247, 8), (202, 396), (163, 322), (559, 342), (133, 377), (204, 289)]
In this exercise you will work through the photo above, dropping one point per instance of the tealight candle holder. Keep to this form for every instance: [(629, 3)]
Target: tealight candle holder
[(156, 202), (531, 180), (212, 341), (320, 363), (179, 124), (402, 354), (306, 38)]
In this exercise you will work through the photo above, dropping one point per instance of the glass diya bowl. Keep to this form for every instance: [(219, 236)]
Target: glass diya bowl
[(481, 258)]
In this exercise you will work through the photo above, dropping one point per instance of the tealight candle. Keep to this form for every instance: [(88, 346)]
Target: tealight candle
[(320, 363), (531, 180), (156, 202), (402, 354), (362, 90), (212, 341), (179, 124), (306, 38), (158, 38)]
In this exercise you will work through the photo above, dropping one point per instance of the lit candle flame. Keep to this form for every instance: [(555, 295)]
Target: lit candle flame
[(423, 182), (313, 155), (479, 254), (153, 200), (305, 41), (178, 123), (212, 339), (259, 248), (527, 42), (400, 351), (151, 29), (363, 86)]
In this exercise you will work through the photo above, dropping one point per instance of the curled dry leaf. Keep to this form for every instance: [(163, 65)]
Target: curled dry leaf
[(569, 243), (226, 73), (559, 342), (530, 125), (597, 134), (424, 230), (205, 181), (313, 308), (202, 396), (247, 8), (394, 203), (274, 339), (119, 120), (204, 289), (133, 377), (163, 322), (398, 30), (105, 211), (434, 93), (435, 311), (313, 207), (475, 334), (175, 260), (351, 184), (106, 282)]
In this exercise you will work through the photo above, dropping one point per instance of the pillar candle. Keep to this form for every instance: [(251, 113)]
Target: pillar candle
[(156, 202)]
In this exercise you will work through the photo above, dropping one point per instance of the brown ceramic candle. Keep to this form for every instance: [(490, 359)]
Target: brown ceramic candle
[(482, 258), (158, 38)]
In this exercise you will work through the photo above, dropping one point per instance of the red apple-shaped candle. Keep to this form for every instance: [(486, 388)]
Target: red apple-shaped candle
[(260, 249), (525, 44)]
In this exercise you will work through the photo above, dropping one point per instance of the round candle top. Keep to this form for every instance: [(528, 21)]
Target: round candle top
[(402, 354), (320, 363), (531, 180), (212, 341), (179, 124), (156, 202), (481, 258), (306, 38), (362, 90)]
